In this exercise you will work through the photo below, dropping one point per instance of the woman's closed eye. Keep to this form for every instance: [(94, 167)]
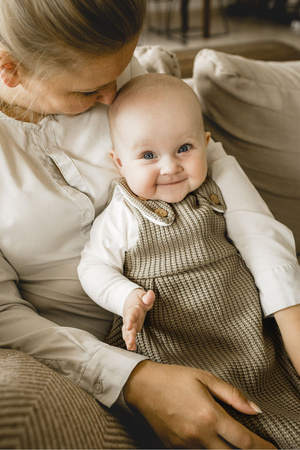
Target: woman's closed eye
[(184, 148), (102, 90), (89, 94)]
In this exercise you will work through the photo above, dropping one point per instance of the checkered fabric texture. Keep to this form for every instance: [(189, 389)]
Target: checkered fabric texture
[(207, 311)]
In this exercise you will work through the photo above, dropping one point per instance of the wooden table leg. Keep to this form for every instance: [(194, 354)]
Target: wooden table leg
[(184, 6), (206, 18)]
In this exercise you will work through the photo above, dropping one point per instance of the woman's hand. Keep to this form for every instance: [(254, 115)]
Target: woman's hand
[(178, 403)]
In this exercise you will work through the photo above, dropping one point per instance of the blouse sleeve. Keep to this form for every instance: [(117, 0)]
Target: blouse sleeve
[(267, 246), (94, 366)]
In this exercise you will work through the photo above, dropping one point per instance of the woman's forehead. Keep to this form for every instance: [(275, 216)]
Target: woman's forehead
[(94, 73)]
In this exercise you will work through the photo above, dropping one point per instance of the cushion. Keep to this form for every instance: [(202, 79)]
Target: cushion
[(158, 59), (253, 108)]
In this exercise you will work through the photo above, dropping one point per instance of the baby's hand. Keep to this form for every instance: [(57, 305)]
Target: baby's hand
[(136, 306)]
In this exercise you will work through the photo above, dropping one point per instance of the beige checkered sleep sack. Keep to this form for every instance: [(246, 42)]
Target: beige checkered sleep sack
[(207, 312)]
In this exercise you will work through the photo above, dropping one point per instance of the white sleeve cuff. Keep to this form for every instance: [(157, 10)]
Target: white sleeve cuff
[(279, 288), (114, 365)]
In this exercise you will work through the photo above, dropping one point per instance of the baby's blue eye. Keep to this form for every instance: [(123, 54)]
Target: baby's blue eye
[(184, 148), (148, 155)]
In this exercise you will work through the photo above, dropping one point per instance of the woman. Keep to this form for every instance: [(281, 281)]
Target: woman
[(61, 63)]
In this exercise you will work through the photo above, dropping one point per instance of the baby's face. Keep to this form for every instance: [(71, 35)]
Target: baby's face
[(161, 148)]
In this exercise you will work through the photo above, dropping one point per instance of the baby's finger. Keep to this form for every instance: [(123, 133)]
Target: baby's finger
[(148, 299), (131, 346), (129, 338), (128, 323)]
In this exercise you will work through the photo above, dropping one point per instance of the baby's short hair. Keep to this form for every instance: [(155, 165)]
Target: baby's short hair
[(152, 85)]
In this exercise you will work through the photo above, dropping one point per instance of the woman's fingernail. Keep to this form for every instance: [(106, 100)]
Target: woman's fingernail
[(255, 407)]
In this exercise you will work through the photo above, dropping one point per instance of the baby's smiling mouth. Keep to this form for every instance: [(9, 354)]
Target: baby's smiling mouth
[(170, 182)]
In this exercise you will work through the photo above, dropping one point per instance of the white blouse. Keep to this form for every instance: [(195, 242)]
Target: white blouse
[(54, 180)]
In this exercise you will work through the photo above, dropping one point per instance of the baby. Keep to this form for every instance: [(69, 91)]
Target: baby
[(159, 256), (159, 163)]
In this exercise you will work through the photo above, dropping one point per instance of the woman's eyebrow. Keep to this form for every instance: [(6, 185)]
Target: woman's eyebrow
[(103, 86)]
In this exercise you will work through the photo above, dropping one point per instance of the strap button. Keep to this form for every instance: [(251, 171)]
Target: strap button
[(215, 199), (161, 212)]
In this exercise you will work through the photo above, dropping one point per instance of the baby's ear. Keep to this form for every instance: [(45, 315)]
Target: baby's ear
[(207, 137), (116, 159)]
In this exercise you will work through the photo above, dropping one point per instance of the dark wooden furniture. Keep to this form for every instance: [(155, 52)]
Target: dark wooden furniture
[(160, 17), (264, 51), (205, 18)]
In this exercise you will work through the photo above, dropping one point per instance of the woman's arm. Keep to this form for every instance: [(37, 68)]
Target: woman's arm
[(288, 320), (77, 355), (266, 245), (102, 371)]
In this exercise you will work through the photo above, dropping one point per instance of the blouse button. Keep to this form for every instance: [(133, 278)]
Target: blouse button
[(161, 212), (98, 388), (88, 214), (215, 199)]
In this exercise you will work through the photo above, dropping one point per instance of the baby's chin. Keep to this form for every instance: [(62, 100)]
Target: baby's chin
[(171, 198), (174, 199), (173, 194), (169, 193)]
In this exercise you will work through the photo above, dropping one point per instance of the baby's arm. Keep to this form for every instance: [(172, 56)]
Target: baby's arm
[(288, 320), (136, 306), (100, 270)]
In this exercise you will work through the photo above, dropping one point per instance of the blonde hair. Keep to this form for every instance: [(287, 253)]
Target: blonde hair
[(44, 36)]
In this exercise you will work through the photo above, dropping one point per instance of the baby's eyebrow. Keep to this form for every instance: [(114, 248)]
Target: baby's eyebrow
[(142, 148)]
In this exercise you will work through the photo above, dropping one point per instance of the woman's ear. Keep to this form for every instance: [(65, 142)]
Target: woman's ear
[(116, 160), (8, 70)]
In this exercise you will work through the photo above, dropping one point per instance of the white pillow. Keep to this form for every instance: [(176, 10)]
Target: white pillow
[(253, 108), (155, 58)]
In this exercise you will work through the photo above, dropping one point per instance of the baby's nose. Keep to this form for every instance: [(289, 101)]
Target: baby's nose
[(169, 166)]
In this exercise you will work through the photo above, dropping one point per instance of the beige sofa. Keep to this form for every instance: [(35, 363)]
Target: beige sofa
[(253, 107)]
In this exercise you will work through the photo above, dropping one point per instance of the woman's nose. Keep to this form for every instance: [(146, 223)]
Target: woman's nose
[(107, 97)]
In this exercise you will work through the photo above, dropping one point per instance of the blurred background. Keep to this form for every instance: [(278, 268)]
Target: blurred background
[(189, 25)]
